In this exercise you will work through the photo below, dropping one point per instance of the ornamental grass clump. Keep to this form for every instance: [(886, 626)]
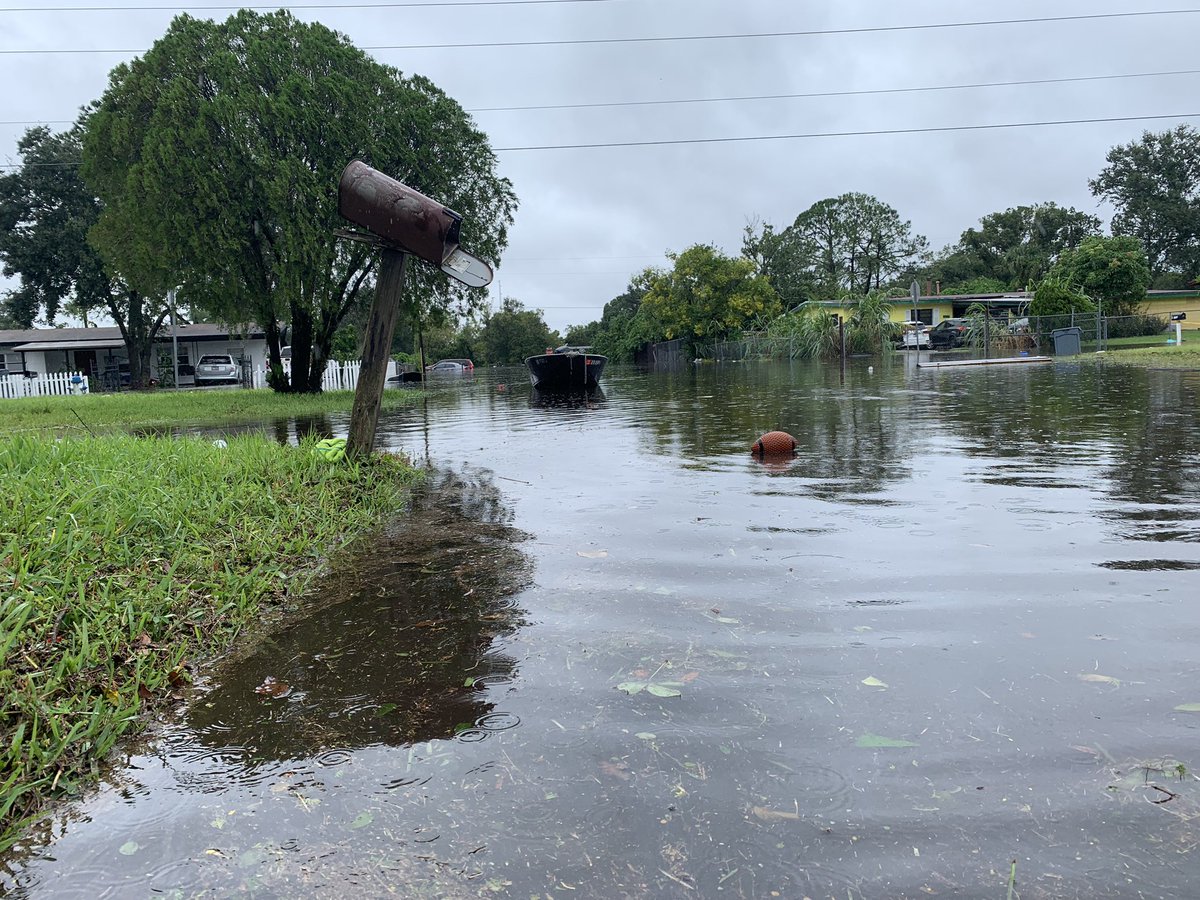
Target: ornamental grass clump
[(122, 559)]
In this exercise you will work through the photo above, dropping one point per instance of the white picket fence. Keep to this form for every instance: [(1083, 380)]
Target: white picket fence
[(58, 384), (337, 377)]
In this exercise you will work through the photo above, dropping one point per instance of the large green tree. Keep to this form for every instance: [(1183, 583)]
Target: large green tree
[(1113, 271), (853, 242), (707, 294), (46, 212), (514, 332), (217, 155), (1154, 184), (624, 327), (787, 258), (1021, 244)]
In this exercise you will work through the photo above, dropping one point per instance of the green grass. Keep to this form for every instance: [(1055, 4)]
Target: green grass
[(124, 559), (1184, 356), (145, 409)]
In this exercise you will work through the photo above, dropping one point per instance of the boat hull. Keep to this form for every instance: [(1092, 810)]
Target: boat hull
[(565, 371)]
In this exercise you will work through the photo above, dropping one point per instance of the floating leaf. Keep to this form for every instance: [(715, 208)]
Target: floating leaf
[(129, 848), (726, 620), (363, 819), (645, 736), (879, 741), (862, 628), (273, 688), (1188, 707), (385, 709), (661, 690), (1094, 678), (872, 681), (725, 654), (592, 554), (470, 682), (631, 687)]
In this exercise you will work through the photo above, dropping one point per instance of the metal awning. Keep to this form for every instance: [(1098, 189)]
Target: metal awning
[(35, 346)]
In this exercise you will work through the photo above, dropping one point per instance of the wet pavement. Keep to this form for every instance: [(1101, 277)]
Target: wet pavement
[(609, 654)]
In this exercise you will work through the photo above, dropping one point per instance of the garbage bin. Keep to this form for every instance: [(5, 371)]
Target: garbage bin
[(1067, 341)]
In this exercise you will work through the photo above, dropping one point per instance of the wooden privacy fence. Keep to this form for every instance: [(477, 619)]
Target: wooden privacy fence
[(60, 384)]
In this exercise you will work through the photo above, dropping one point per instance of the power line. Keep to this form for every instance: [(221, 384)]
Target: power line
[(939, 129), (824, 32), (751, 97), (814, 94), (830, 134), (189, 7)]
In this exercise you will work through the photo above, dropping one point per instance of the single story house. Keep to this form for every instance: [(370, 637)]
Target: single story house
[(100, 353), (1167, 304), (931, 309)]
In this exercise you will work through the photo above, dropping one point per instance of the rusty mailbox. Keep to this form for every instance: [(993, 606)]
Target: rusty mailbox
[(408, 221)]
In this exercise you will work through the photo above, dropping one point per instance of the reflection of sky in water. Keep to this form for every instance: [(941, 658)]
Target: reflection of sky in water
[(951, 633)]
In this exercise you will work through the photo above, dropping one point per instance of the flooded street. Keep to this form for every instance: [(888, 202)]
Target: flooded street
[(610, 654)]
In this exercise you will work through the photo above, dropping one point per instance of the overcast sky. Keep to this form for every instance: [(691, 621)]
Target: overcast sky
[(590, 218)]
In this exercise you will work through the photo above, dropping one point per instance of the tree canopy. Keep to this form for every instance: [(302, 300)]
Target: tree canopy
[(708, 294), (1111, 270), (1021, 244), (46, 212), (1154, 184), (514, 332), (217, 156)]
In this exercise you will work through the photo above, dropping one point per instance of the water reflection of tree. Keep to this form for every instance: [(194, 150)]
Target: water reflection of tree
[(1142, 423), (394, 635)]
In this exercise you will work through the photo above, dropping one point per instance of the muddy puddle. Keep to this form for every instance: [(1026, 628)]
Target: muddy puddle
[(949, 650)]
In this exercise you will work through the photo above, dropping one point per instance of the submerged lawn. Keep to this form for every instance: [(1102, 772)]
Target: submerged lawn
[(122, 559), (1186, 355), (146, 409)]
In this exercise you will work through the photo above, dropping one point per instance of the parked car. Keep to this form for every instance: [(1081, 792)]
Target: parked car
[(1019, 326), (218, 368), (914, 334), (949, 333), (465, 364), (446, 367)]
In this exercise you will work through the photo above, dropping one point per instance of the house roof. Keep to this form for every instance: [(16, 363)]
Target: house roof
[(67, 345), (110, 336)]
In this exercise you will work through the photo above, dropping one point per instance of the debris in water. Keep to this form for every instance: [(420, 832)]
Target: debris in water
[(271, 687)]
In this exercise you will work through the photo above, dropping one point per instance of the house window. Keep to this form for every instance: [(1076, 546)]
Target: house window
[(925, 316), (3, 363)]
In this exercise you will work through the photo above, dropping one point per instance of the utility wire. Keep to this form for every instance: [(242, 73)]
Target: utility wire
[(830, 134), (874, 29), (941, 129), (811, 94), (197, 8)]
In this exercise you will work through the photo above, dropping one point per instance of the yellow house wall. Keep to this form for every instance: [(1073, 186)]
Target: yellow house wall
[(1164, 308), (900, 312)]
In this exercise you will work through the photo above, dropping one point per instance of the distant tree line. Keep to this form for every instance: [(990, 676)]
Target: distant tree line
[(857, 250)]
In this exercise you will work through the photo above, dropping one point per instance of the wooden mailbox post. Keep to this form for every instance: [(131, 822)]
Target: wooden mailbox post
[(402, 223)]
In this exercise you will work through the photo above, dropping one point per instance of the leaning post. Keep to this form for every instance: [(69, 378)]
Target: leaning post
[(377, 346), (400, 222)]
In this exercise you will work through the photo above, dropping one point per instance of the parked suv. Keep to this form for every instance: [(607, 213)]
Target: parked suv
[(949, 333), (218, 368)]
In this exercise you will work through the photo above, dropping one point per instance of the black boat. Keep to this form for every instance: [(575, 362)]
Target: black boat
[(566, 367)]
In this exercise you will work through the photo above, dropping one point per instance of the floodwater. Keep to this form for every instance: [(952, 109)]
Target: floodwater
[(951, 649)]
